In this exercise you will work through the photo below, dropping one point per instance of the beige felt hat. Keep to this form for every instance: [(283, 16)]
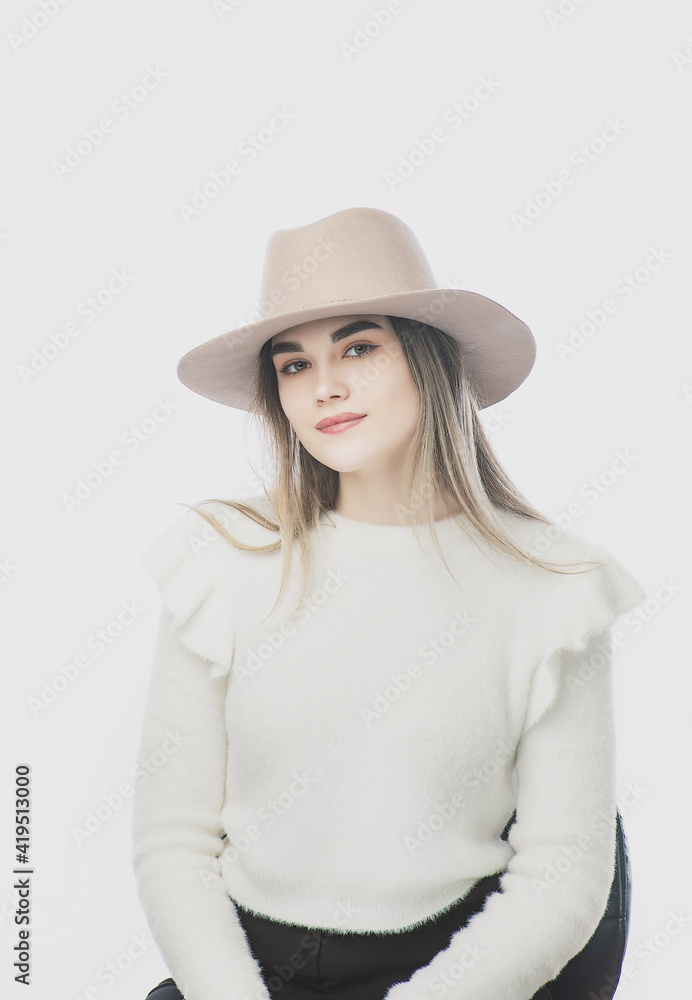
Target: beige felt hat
[(360, 260)]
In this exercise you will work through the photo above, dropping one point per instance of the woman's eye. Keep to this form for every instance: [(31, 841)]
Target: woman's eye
[(368, 346), (289, 364), (285, 370)]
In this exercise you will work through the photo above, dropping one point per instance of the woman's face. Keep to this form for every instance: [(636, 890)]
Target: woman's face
[(348, 364)]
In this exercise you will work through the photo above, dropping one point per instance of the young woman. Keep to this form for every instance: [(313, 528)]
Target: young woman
[(361, 675)]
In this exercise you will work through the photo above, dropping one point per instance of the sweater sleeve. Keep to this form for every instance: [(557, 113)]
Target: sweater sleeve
[(556, 886), (177, 831)]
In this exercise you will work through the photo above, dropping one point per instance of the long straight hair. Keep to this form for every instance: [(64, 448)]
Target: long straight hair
[(449, 455)]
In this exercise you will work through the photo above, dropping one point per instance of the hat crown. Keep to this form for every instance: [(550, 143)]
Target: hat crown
[(358, 253)]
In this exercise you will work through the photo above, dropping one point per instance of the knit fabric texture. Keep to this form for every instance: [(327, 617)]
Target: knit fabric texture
[(351, 765)]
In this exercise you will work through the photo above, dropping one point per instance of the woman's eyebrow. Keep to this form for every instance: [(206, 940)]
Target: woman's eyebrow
[(288, 346)]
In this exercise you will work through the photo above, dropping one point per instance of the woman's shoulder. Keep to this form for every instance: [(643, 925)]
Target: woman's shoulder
[(201, 528), (571, 608), (548, 540), (248, 520), (591, 587), (556, 542), (199, 572)]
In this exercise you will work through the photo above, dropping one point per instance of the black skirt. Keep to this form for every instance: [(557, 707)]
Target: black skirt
[(299, 963)]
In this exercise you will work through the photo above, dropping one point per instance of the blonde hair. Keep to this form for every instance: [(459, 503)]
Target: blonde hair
[(450, 454)]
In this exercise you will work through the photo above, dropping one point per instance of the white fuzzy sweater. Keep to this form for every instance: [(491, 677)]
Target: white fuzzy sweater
[(353, 766)]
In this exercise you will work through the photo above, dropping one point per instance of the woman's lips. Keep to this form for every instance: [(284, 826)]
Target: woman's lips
[(343, 425)]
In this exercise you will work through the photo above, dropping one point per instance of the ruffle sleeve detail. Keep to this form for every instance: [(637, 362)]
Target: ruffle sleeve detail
[(190, 563), (578, 607)]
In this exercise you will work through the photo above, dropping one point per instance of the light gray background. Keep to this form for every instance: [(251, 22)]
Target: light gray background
[(560, 72)]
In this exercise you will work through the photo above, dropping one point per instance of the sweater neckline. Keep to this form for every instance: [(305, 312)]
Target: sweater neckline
[(372, 526)]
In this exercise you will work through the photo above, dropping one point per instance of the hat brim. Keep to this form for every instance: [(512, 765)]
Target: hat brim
[(498, 348)]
